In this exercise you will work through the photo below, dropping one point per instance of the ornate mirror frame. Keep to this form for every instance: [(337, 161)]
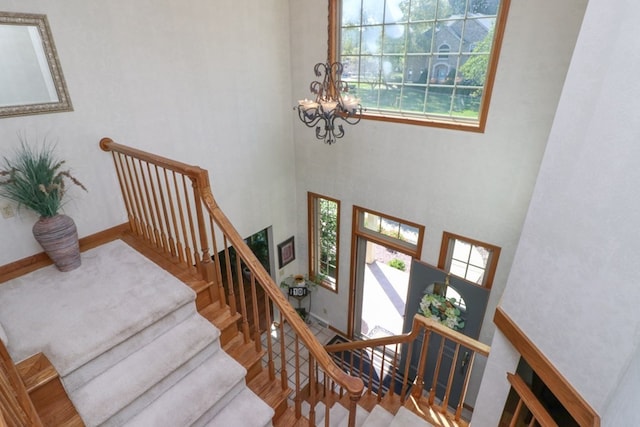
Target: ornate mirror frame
[(31, 80)]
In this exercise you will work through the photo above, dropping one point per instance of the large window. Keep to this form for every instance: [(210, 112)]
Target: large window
[(324, 229), (469, 259), (421, 61)]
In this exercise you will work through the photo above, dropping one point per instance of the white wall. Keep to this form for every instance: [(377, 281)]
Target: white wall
[(199, 81), (476, 185), (573, 287)]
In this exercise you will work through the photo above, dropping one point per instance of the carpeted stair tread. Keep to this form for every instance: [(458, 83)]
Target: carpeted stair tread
[(406, 418), (245, 410), (115, 354), (114, 282), (130, 385), (378, 417), (201, 393)]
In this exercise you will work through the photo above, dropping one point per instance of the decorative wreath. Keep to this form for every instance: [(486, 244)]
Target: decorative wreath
[(442, 310)]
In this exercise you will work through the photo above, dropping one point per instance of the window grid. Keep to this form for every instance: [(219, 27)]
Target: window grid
[(451, 99), (469, 259)]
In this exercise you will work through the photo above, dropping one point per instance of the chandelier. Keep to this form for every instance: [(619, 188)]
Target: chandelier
[(332, 102)]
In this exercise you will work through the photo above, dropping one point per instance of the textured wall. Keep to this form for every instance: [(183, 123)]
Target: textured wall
[(199, 81), (573, 287)]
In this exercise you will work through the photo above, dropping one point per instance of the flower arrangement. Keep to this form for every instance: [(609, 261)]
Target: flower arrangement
[(34, 179), (442, 310)]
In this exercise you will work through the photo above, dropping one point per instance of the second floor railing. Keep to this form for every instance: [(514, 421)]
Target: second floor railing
[(396, 369)]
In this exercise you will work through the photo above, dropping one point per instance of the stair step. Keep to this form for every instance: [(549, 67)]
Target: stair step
[(406, 418), (271, 391), (246, 410), (378, 417), (36, 371), (115, 396), (201, 394), (121, 350), (245, 354)]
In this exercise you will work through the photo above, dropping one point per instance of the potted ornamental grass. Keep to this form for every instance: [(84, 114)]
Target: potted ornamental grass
[(35, 178)]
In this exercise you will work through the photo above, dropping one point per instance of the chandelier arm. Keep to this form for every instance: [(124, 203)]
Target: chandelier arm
[(309, 120)]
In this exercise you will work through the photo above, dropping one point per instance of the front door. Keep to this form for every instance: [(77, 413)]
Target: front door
[(423, 279), (382, 282), (381, 256)]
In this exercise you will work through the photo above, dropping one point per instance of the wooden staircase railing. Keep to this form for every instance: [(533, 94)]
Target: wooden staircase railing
[(383, 356), (529, 411), (170, 206), (16, 408)]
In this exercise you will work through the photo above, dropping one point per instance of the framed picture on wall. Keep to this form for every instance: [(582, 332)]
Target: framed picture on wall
[(286, 252)]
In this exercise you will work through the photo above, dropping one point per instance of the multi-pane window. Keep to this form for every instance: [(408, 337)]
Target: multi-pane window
[(422, 61), (324, 229), (469, 259)]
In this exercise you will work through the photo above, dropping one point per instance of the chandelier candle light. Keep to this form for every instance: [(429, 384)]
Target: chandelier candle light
[(329, 104)]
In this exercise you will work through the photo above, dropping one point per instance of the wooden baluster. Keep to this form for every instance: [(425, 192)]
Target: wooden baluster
[(153, 204), (125, 193), (371, 372), (394, 368), (243, 302), (465, 385), (416, 391), (231, 300), (140, 224), (405, 377), (284, 381), (206, 267), (270, 363), (183, 256), (162, 213), (143, 195), (172, 223), (516, 414), (227, 268), (452, 371), (218, 269), (382, 363), (436, 372), (327, 407), (256, 314), (192, 252), (312, 390), (298, 395), (233, 303)]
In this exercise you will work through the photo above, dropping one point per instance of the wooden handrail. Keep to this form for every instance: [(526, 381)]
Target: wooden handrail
[(16, 408), (419, 322), (200, 180), (530, 401), (386, 350)]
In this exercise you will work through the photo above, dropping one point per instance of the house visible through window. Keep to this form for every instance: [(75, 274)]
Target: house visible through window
[(421, 61), (469, 259), (324, 229)]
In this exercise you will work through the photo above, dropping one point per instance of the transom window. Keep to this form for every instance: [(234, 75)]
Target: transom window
[(324, 229), (389, 231), (469, 259), (421, 61)]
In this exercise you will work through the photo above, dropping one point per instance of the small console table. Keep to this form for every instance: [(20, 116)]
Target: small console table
[(299, 289)]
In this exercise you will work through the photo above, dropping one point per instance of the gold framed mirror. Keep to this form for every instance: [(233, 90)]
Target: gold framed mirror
[(31, 79)]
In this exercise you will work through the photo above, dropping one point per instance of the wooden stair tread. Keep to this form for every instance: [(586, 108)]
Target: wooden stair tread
[(431, 414), (269, 390), (220, 317), (288, 419), (36, 371), (165, 260), (243, 353)]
